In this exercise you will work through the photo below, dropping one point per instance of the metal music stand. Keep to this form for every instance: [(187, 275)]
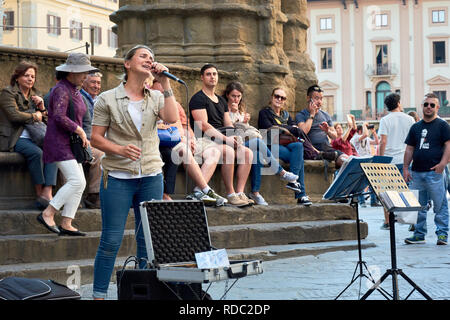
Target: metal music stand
[(383, 177), (349, 184)]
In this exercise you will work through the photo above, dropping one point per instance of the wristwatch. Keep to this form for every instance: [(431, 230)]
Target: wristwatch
[(311, 117)]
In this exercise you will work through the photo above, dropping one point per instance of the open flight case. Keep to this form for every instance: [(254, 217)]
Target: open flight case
[(174, 231)]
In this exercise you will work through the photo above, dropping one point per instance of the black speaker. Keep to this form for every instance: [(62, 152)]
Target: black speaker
[(142, 284)]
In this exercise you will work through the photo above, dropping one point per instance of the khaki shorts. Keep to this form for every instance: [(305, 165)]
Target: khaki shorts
[(201, 145)]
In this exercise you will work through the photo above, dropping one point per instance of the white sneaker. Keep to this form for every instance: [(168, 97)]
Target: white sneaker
[(258, 199), (289, 177)]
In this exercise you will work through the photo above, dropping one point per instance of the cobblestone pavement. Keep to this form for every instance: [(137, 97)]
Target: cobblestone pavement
[(324, 276)]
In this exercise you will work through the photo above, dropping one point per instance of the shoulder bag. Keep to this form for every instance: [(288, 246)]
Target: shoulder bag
[(81, 154), (36, 129), (37, 132), (169, 137), (284, 136)]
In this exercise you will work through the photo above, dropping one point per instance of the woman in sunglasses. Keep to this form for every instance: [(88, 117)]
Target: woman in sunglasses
[(275, 115), (234, 94)]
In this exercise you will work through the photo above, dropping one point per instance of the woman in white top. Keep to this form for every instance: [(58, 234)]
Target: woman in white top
[(124, 127), (236, 105)]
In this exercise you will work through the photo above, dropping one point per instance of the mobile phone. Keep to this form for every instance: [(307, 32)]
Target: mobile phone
[(371, 126)]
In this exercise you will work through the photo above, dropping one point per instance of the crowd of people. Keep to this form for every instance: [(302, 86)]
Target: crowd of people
[(129, 165)]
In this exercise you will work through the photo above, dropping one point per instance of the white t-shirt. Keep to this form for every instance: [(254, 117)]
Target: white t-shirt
[(395, 126), (236, 117), (135, 111), (363, 146)]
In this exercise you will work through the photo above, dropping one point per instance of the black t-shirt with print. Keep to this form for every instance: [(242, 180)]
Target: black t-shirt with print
[(214, 110), (428, 140)]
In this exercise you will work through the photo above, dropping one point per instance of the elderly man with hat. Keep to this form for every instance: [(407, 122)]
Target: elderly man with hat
[(57, 143)]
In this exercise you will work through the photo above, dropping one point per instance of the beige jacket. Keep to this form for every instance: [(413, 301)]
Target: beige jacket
[(111, 111)]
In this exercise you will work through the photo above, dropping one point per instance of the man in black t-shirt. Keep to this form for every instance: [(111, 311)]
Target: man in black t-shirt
[(428, 146), (209, 112)]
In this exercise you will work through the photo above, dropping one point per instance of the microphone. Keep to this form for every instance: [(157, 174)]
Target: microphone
[(171, 76)]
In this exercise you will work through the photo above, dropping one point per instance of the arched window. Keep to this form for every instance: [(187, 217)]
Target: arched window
[(382, 90)]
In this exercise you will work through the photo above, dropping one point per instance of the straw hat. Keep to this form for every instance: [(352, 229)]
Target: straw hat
[(77, 62)]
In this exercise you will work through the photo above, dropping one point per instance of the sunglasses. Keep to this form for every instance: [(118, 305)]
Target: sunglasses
[(278, 97), (426, 104)]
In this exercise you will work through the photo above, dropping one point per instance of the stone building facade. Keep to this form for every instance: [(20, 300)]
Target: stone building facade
[(262, 43)]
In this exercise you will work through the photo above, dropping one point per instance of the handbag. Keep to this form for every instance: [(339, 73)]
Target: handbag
[(284, 136), (81, 154), (169, 137), (37, 132)]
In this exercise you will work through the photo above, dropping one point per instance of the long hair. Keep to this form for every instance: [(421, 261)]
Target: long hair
[(20, 70), (130, 54), (235, 85)]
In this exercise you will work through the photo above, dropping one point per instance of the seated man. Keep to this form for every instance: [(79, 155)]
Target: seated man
[(201, 176), (317, 124), (206, 116)]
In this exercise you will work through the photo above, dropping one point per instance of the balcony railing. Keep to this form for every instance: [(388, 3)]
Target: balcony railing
[(385, 69)]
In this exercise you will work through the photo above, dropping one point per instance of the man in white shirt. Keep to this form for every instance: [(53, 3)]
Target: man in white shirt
[(393, 131)]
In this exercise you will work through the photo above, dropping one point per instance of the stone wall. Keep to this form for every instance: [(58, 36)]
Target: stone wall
[(261, 42), (47, 61), (111, 68)]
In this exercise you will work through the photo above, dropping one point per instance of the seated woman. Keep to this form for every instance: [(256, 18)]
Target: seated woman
[(234, 95), (21, 105), (275, 115), (342, 142)]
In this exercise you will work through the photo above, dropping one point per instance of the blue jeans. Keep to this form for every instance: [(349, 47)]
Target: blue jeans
[(41, 173), (116, 200), (260, 152), (293, 154), (431, 185)]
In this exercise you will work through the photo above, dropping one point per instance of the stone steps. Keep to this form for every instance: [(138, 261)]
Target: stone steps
[(258, 232), (20, 222), (81, 272), (51, 247)]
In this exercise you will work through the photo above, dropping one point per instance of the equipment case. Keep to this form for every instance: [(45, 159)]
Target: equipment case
[(174, 231)]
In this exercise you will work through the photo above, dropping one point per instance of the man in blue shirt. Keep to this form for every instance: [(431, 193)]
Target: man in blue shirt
[(89, 92), (91, 89), (428, 146), (318, 125)]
